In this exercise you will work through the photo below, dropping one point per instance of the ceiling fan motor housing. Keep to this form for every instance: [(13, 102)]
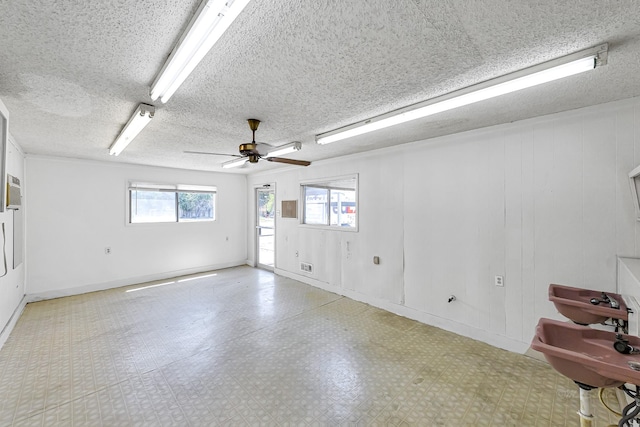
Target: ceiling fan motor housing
[(248, 149)]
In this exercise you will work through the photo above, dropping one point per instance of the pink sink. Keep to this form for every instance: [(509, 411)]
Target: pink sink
[(575, 304), (586, 355)]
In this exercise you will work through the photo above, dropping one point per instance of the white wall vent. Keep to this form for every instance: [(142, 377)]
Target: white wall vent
[(306, 267)]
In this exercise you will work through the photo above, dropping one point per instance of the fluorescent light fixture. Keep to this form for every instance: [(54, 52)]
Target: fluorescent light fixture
[(235, 163), (285, 149), (211, 20), (559, 68), (142, 116)]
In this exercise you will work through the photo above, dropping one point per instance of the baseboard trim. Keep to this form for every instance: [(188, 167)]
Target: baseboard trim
[(309, 281), (95, 287), (495, 340), (6, 332)]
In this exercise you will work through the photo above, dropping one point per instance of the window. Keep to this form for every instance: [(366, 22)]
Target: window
[(331, 203), (171, 203)]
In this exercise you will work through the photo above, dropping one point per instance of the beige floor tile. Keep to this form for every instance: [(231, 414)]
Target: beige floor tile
[(246, 347)]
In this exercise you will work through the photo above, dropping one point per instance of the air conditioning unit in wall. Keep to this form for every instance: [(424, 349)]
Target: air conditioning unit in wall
[(14, 194)]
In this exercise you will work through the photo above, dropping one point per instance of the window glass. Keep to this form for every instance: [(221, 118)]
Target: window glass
[(343, 208), (331, 203), (171, 203), (315, 205), (153, 206), (266, 208), (195, 206)]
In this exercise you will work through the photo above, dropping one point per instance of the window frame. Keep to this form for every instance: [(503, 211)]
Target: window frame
[(133, 185), (326, 183)]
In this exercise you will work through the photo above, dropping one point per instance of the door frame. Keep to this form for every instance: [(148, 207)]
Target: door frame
[(271, 186)]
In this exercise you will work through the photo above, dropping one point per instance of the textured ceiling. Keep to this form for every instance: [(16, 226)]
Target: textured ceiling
[(72, 72)]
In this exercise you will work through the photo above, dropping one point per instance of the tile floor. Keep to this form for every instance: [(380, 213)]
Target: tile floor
[(245, 347)]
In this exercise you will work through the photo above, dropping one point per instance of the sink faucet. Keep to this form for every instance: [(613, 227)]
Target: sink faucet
[(622, 346), (613, 303)]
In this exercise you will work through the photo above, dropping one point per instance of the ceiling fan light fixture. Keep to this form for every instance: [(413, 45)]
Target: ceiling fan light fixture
[(285, 149), (235, 163), (569, 65), (140, 118), (209, 23)]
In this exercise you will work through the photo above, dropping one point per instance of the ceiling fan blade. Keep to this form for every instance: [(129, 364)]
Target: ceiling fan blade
[(266, 144), (211, 154), (288, 161), (262, 148)]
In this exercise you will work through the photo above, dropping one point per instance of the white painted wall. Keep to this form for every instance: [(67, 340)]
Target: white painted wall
[(537, 201), (77, 208), (12, 285)]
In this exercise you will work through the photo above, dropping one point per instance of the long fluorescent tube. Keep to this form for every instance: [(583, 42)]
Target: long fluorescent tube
[(285, 149), (211, 20), (141, 117), (235, 163), (559, 68)]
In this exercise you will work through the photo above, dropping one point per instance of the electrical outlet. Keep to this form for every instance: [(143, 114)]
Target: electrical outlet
[(107, 250), (499, 281)]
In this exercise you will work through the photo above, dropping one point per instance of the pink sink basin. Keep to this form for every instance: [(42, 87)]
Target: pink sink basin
[(575, 304), (586, 355)]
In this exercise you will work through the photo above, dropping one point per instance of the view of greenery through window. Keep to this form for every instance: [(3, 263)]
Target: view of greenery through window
[(195, 206), (265, 226), (266, 203), (163, 205)]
